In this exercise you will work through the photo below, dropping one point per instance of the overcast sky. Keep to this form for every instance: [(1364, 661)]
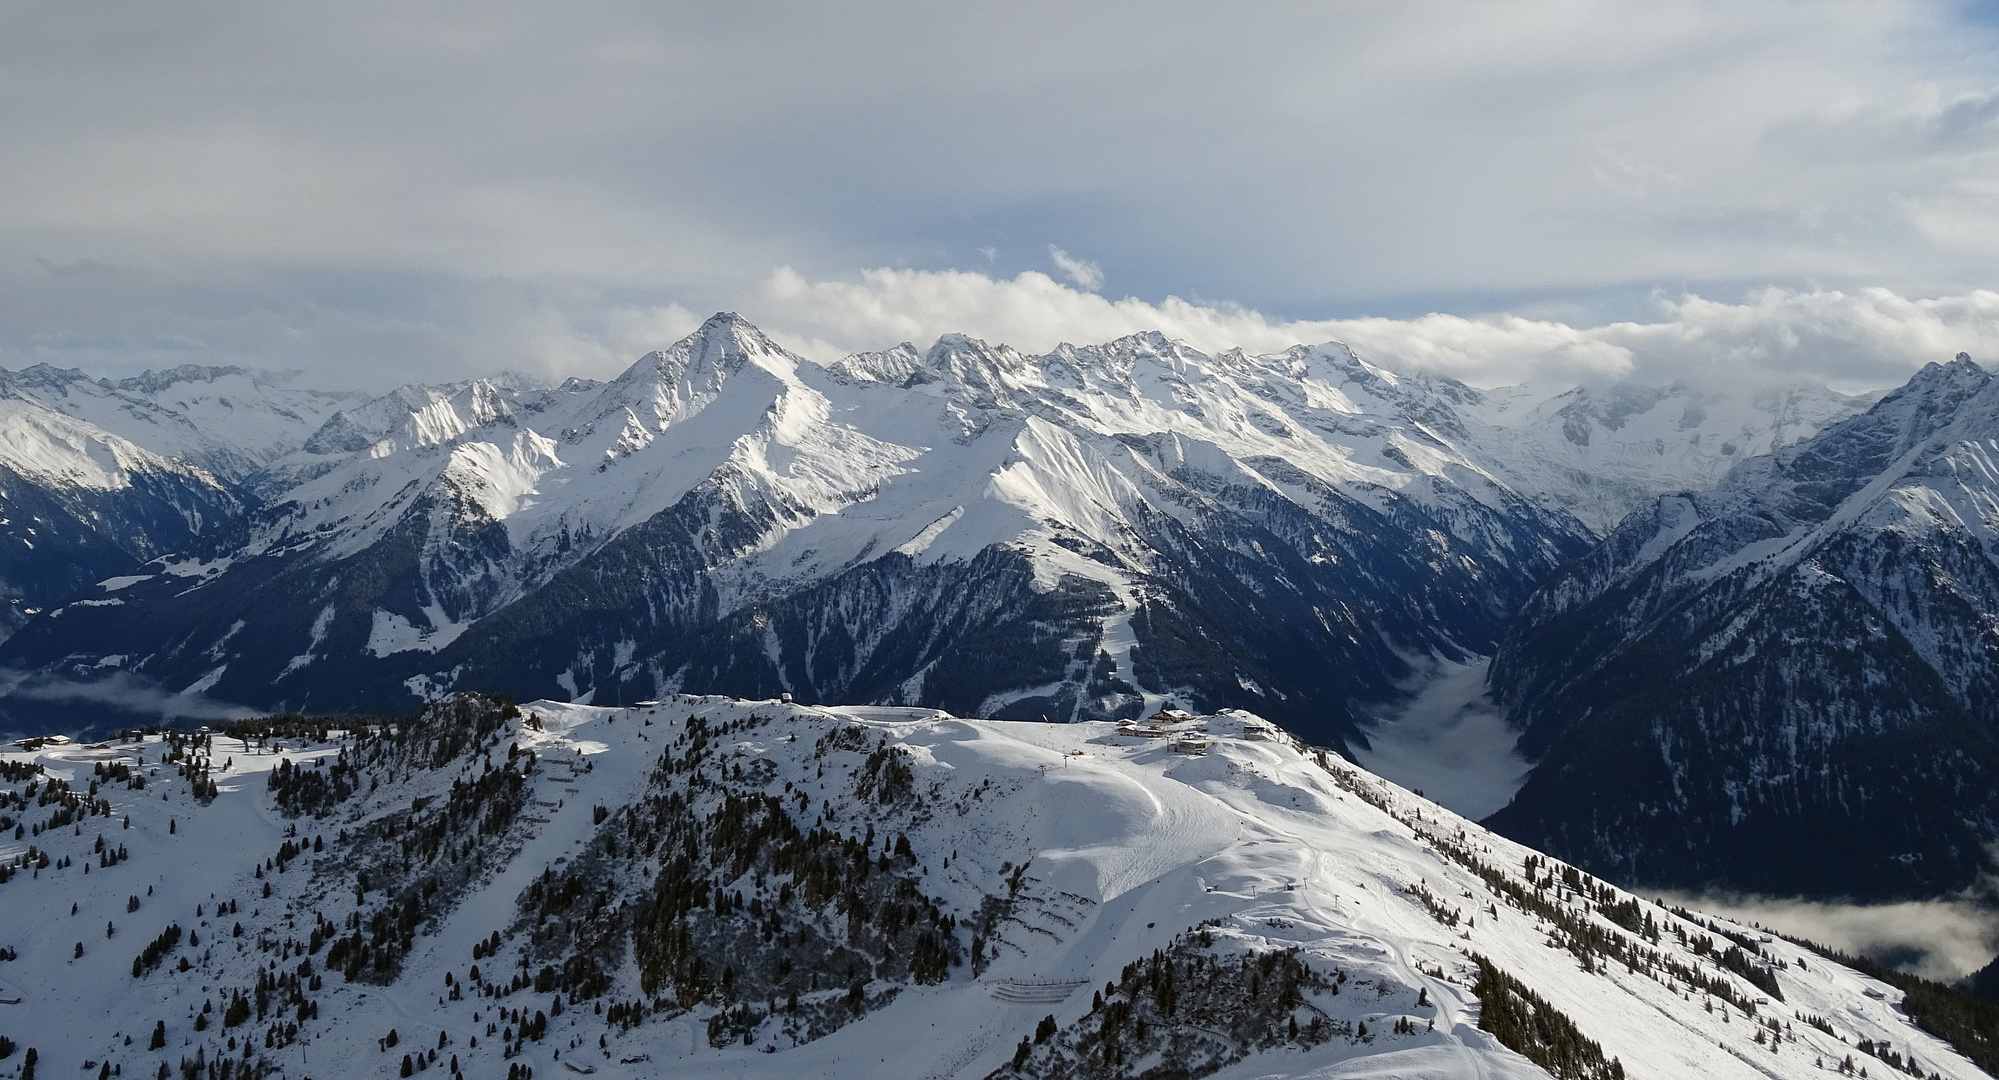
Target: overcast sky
[(383, 193)]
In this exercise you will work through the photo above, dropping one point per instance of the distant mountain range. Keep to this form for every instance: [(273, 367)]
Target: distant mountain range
[(1703, 605)]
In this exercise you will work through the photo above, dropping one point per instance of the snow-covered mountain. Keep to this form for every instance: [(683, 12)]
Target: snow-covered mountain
[(708, 887), (1090, 532), (1788, 682), (1601, 452), (226, 421), (1084, 533), (80, 505), (97, 477)]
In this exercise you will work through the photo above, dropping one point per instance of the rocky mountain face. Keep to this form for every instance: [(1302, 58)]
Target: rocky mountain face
[(81, 505), (1787, 682)]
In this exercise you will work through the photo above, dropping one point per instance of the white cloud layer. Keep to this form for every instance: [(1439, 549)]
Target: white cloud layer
[(1943, 940), (121, 691), (377, 190), (440, 329), (1867, 339)]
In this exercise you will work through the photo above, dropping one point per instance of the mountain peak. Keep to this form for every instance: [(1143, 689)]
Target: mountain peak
[(726, 339), (153, 382), (983, 368), (1930, 397), (716, 349), (1960, 369), (890, 366), (41, 377), (674, 381)]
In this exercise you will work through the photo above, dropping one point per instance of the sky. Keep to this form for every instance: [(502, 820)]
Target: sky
[(381, 193)]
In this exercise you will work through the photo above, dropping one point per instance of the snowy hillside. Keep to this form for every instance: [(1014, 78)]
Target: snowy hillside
[(709, 887), (1809, 650), (1092, 532)]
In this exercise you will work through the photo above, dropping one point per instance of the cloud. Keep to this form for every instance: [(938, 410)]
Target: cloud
[(398, 192), (119, 690), (1087, 275), (1866, 339), (430, 328), (1298, 157), (1936, 939)]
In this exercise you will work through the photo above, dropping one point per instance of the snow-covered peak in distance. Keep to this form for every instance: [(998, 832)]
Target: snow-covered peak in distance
[(1600, 452), (59, 450), (890, 366), (561, 470), (80, 504), (1777, 508), (1805, 650), (424, 415), (229, 421), (678, 381)]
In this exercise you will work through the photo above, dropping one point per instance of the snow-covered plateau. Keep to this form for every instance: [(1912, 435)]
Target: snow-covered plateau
[(713, 887)]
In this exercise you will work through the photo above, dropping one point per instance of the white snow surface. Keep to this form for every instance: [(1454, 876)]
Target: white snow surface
[(61, 451), (1279, 847)]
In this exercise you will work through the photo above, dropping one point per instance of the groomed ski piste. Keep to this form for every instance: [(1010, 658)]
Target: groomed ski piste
[(1058, 854)]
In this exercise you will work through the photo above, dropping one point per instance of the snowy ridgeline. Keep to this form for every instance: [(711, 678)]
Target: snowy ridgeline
[(711, 887), (968, 527)]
